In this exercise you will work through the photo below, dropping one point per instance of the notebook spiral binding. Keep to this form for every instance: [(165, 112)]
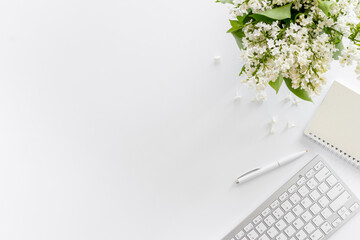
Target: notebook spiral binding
[(339, 152)]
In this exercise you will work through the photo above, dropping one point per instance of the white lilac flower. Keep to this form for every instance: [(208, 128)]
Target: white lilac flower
[(300, 50)]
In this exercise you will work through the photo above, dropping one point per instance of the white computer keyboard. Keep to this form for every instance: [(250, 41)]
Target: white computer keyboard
[(313, 204)]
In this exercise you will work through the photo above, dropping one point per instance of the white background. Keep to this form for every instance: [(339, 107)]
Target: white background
[(115, 123)]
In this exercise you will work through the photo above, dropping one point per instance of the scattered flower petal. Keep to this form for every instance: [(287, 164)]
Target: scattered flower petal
[(296, 102), (273, 120), (217, 59), (260, 97), (291, 125), (288, 97), (272, 130), (237, 96)]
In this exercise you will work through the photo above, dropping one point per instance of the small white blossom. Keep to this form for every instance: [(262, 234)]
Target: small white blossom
[(217, 59), (272, 130), (296, 102), (260, 96), (237, 96), (288, 97), (290, 125), (273, 120)]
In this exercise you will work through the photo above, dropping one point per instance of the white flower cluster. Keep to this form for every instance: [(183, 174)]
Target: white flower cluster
[(301, 50)]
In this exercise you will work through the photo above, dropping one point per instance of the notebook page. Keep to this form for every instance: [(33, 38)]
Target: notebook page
[(337, 121)]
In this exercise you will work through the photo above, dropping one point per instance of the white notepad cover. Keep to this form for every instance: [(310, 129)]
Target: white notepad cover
[(336, 124)]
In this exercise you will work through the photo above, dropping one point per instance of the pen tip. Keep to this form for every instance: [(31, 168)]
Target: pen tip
[(237, 182)]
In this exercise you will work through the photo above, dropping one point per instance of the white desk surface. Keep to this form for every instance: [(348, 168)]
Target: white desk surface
[(116, 124)]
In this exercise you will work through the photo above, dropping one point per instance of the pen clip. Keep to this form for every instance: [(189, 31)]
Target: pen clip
[(247, 173)]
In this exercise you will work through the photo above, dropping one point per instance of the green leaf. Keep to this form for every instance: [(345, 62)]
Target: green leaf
[(325, 6), (235, 25), (279, 13), (337, 54), (238, 35), (277, 84), (242, 70), (241, 18), (225, 1), (301, 93), (261, 18)]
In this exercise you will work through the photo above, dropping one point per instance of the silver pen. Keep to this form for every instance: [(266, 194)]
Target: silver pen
[(261, 170)]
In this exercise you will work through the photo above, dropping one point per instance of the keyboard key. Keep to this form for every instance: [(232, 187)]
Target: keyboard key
[(317, 235), (275, 204), (340, 201), (335, 191), (292, 189), (298, 223), (248, 227), (326, 213), (322, 174), (269, 220), (278, 213), (281, 224), (261, 228), (336, 222), (331, 180), (286, 206), (283, 196), (306, 202), (301, 181), (252, 235), (298, 210), (289, 217), (310, 173), (344, 212), (264, 237), (318, 166), (281, 236), (323, 187), (257, 219), (306, 216), (266, 212), (314, 195), (295, 198), (301, 235), (315, 209), (324, 201), (240, 234), (312, 183), (354, 207), (272, 232), (345, 215), (309, 228), (303, 191), (318, 220), (290, 231), (326, 228)]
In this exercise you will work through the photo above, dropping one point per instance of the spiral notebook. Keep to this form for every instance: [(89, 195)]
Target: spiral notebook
[(336, 124)]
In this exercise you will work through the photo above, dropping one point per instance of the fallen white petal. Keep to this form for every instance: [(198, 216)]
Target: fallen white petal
[(273, 120), (291, 125), (217, 59), (272, 130)]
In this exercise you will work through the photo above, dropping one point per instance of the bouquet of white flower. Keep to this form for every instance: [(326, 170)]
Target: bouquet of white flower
[(294, 41)]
